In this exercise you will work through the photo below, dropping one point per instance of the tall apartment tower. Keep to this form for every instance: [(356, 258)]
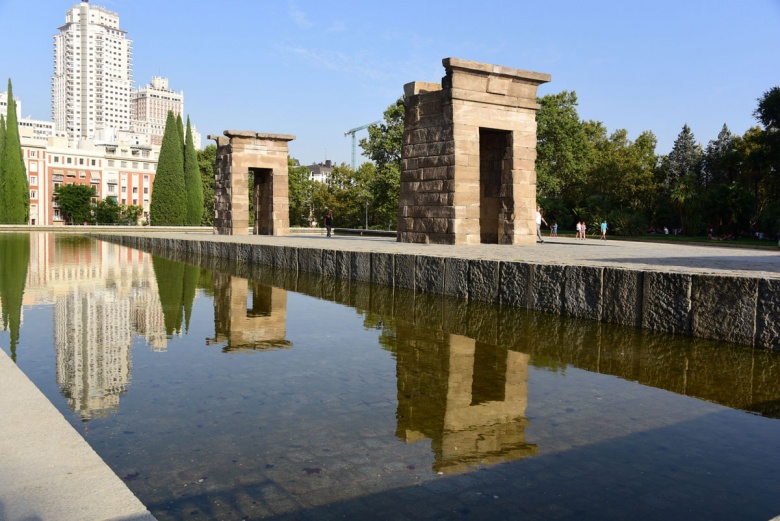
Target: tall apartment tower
[(149, 108), (92, 81)]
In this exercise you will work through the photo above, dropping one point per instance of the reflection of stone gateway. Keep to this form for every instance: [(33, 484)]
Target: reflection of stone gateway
[(468, 156), (468, 397), (265, 156), (261, 327)]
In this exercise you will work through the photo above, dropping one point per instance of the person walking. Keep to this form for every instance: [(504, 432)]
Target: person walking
[(329, 222), (584, 231), (604, 230), (579, 230), (539, 221), (554, 230)]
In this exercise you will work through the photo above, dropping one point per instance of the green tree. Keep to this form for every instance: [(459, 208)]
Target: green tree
[(206, 163), (14, 262), (300, 188), (768, 110), (563, 153), (180, 128), (718, 162), (192, 180), (2, 147), (15, 198), (75, 202), (107, 211), (169, 197), (381, 182), (685, 160), (384, 142)]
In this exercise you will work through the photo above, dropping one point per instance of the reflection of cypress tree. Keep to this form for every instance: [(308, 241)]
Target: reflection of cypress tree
[(191, 278), (14, 260), (170, 282)]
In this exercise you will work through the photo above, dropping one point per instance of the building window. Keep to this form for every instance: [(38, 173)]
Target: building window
[(33, 180), (135, 189), (69, 160), (146, 190), (81, 160), (123, 164), (124, 189), (56, 159), (110, 162), (33, 194), (93, 162), (111, 189)]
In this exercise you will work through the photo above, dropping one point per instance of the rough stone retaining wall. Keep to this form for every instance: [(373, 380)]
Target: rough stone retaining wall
[(743, 310)]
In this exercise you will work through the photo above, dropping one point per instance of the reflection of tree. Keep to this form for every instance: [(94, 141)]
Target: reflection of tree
[(14, 260), (191, 278), (176, 284)]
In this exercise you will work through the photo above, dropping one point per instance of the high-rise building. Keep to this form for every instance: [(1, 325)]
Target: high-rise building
[(92, 81), (149, 107)]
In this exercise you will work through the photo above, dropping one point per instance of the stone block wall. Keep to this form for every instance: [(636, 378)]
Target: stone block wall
[(468, 158), (741, 310)]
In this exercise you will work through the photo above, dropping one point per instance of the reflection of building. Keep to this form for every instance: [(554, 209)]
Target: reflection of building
[(92, 338), (103, 295), (469, 398), (259, 327)]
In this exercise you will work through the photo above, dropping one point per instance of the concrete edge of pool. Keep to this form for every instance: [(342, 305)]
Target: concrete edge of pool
[(47, 470)]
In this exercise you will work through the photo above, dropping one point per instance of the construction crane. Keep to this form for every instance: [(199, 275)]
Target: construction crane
[(354, 140)]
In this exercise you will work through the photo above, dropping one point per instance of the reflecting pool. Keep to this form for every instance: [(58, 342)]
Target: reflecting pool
[(225, 391)]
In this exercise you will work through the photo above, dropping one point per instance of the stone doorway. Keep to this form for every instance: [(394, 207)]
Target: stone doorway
[(495, 186)]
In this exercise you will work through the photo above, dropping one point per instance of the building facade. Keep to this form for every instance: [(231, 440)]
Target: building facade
[(92, 81)]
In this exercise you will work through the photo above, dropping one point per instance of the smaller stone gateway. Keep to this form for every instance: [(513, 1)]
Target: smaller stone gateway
[(468, 161), (240, 152)]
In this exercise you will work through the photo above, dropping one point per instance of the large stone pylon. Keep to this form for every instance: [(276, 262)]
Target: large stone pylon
[(240, 152), (468, 174)]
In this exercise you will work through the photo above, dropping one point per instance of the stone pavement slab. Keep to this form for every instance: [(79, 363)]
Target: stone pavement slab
[(47, 470)]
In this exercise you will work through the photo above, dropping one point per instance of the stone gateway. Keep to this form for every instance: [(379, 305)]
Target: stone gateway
[(240, 153), (468, 160)]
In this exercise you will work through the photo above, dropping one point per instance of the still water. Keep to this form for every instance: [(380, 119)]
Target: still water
[(219, 391)]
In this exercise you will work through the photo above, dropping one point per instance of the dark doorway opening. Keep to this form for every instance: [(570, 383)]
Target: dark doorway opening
[(496, 203), (262, 199)]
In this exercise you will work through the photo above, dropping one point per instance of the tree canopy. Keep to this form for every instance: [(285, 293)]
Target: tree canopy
[(75, 202)]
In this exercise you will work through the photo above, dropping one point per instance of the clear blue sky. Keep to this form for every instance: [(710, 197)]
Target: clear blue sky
[(316, 69)]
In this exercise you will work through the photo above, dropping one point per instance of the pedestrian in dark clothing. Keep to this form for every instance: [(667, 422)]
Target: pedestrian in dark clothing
[(329, 222)]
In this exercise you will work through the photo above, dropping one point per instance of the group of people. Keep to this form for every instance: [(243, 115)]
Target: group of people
[(581, 229)]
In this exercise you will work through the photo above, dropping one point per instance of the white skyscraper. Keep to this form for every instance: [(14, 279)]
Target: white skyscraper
[(92, 81)]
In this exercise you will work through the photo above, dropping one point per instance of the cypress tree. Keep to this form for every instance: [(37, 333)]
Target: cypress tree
[(180, 127), (16, 191), (2, 185), (169, 198), (192, 180)]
